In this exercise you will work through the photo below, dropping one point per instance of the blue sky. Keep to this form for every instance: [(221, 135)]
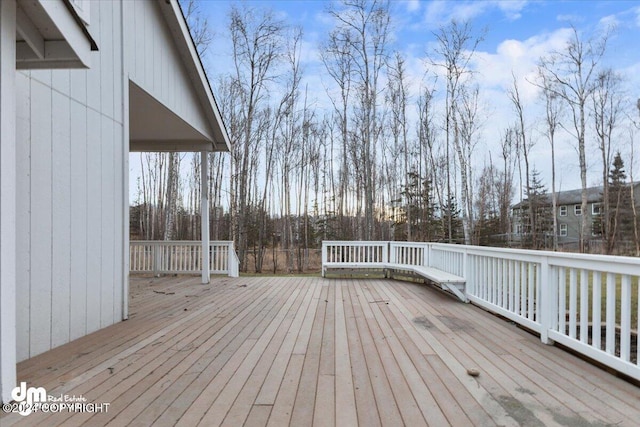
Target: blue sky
[(517, 34)]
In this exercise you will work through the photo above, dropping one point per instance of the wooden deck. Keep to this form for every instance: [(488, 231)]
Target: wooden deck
[(309, 351)]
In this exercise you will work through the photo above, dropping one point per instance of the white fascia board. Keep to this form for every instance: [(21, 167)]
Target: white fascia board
[(194, 66)]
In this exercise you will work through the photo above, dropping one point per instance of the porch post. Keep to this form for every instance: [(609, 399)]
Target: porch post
[(7, 198), (204, 214)]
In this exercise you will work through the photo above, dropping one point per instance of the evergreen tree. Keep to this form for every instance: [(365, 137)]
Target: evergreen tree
[(537, 219), (621, 215), (451, 216), (420, 207)]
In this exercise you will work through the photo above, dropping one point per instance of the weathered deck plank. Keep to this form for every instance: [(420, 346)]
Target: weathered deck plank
[(301, 351)]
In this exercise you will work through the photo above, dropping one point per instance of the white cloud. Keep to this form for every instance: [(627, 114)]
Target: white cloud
[(610, 21), (572, 19), (521, 58), (512, 9), (413, 5), (441, 12)]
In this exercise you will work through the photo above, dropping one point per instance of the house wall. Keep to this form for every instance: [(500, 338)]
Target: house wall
[(71, 161), (72, 180), (574, 222), (154, 64)]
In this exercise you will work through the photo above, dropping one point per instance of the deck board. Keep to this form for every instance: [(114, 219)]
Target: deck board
[(310, 351)]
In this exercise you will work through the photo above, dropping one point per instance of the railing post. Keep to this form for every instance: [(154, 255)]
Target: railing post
[(156, 250), (204, 216), (232, 261), (324, 257), (547, 300), (385, 252), (466, 273)]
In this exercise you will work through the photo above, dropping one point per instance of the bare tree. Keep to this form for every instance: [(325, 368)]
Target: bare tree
[(199, 28), (456, 46), (508, 144), (256, 37), (367, 24), (397, 98), (552, 121), (468, 124), (336, 54), (289, 135), (173, 175), (525, 146), (573, 71), (430, 167), (607, 106)]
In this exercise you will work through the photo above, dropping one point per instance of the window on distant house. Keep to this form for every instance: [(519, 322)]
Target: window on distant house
[(563, 211), (563, 229), (577, 209), (596, 208)]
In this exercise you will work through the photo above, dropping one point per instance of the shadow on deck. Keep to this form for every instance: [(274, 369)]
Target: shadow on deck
[(305, 350)]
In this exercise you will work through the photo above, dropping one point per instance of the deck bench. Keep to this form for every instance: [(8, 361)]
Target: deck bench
[(447, 281)]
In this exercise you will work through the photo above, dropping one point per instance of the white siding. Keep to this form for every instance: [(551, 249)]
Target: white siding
[(94, 221), (23, 228), (79, 276), (41, 216), (61, 214), (72, 167), (156, 65), (107, 225), (70, 157)]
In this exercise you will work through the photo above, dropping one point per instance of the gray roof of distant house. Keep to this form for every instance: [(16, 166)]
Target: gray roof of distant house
[(570, 197)]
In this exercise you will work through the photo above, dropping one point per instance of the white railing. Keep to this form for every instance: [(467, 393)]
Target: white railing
[(355, 252), (589, 303), (181, 257)]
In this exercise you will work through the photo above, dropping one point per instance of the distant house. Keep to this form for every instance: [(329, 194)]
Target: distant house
[(82, 84), (569, 214)]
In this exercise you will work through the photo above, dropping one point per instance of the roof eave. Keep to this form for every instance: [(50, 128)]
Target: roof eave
[(178, 25)]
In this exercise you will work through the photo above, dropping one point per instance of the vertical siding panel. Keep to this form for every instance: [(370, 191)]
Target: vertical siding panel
[(158, 47), (118, 235), (106, 58), (130, 29), (23, 229), (107, 224), (78, 283), (93, 73), (117, 61), (150, 19), (40, 308), (61, 232), (94, 220), (60, 81), (43, 76), (118, 162), (78, 87), (165, 70), (171, 82), (139, 39)]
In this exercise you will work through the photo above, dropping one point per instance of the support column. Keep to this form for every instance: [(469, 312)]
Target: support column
[(125, 167), (204, 214), (8, 194)]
